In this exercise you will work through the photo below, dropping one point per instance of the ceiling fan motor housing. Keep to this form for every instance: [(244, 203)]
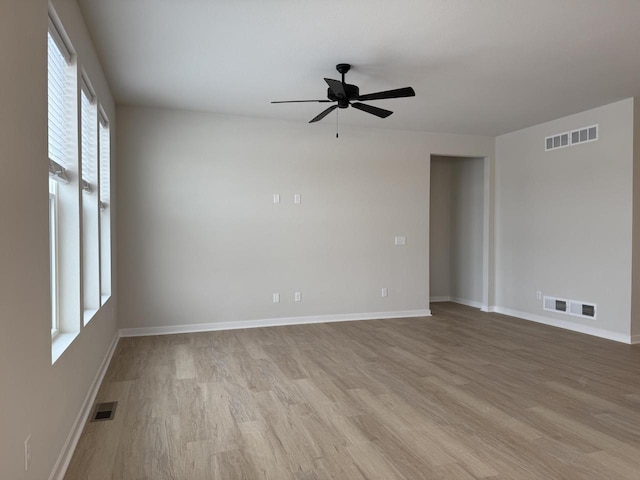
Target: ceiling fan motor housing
[(352, 91)]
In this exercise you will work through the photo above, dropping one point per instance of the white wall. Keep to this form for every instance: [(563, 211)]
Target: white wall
[(635, 286), (35, 397), (202, 242), (457, 226), (467, 209), (564, 218), (440, 229)]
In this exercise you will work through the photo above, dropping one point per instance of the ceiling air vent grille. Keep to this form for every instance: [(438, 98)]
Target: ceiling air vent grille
[(569, 139), (575, 308)]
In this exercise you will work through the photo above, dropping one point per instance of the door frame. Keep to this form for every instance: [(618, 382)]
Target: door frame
[(487, 229)]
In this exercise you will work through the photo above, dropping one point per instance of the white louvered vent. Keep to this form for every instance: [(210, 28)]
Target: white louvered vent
[(555, 304), (557, 141), (569, 139), (582, 309), (575, 308)]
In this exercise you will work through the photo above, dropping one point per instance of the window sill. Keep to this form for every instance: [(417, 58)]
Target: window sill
[(60, 344), (88, 315), (104, 298)]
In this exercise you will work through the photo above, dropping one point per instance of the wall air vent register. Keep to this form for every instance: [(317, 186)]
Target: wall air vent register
[(575, 308)]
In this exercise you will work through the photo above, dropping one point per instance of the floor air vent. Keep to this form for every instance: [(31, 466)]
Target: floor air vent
[(104, 411)]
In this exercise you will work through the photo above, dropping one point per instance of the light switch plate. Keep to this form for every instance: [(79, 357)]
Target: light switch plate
[(276, 198), (276, 298), (297, 199)]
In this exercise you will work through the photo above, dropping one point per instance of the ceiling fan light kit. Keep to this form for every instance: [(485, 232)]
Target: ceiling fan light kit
[(344, 95)]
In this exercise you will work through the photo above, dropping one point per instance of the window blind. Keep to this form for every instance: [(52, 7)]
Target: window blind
[(89, 146), (60, 107)]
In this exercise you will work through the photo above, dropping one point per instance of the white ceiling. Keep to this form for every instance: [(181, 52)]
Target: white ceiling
[(478, 66)]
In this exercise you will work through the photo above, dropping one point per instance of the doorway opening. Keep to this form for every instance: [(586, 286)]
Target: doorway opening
[(457, 257)]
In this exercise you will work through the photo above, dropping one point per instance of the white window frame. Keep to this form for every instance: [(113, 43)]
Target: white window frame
[(104, 168), (90, 258), (53, 257), (65, 322)]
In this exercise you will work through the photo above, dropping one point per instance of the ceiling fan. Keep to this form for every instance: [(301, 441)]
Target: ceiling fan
[(346, 95)]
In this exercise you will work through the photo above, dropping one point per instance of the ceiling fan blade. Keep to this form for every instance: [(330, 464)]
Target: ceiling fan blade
[(324, 114), (378, 112), (301, 101), (336, 87), (397, 93)]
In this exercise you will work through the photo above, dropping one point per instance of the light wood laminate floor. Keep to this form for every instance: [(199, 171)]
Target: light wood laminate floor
[(460, 395)]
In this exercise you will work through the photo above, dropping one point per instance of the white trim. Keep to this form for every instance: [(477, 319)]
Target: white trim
[(60, 37), (60, 343), (88, 314), (60, 468), (488, 309), (102, 117), (53, 259), (567, 325), (462, 301), (269, 322), (468, 303), (87, 88), (635, 339), (442, 298)]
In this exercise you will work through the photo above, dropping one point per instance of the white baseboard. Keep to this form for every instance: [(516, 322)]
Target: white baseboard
[(269, 322), (575, 327), (60, 468), (439, 299), (461, 301), (468, 303)]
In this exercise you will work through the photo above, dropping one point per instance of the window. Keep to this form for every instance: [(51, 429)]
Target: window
[(53, 254), (61, 107), (104, 139), (90, 206), (79, 194)]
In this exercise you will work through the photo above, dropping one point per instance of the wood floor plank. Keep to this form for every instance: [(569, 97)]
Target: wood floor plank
[(462, 395)]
